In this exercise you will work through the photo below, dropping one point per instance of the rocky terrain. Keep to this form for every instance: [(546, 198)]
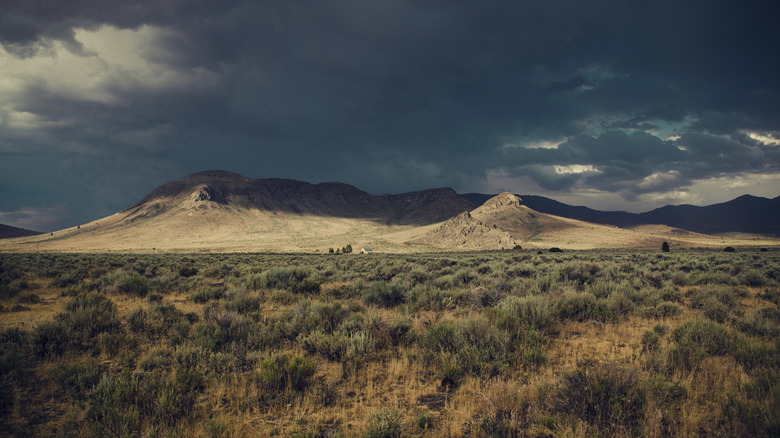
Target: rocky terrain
[(224, 211)]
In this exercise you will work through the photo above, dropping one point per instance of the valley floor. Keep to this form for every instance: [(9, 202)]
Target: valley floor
[(502, 343)]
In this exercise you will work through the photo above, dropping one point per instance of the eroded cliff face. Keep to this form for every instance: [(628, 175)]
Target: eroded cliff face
[(464, 231)]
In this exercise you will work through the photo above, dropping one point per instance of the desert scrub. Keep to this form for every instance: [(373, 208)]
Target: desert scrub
[(123, 282), (160, 320), (583, 306), (579, 273), (471, 346), (385, 294), (698, 339), (207, 292), (385, 423), (14, 363), (763, 323), (427, 297), (607, 396), (514, 313), (278, 278), (284, 372), (126, 404), (85, 317)]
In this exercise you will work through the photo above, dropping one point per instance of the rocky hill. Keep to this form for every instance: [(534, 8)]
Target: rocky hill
[(746, 214), (224, 211), (213, 189), (466, 232)]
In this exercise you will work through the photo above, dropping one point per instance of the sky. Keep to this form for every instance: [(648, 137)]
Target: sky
[(612, 104)]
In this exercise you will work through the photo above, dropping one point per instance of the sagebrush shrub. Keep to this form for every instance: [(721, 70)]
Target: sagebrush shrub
[(695, 340), (604, 395), (385, 294), (286, 372), (85, 317), (385, 423)]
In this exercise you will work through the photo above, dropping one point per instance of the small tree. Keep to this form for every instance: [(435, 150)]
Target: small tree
[(665, 247), (330, 250), (348, 249)]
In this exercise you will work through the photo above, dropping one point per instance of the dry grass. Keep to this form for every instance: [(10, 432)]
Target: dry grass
[(407, 379)]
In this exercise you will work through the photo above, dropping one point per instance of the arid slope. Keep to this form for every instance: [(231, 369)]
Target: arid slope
[(223, 211), (503, 222)]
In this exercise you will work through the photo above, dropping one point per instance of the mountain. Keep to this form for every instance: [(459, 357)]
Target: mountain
[(225, 211), (218, 210), (7, 232), (228, 189), (504, 221), (746, 214)]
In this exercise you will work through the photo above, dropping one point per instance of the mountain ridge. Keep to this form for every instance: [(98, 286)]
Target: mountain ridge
[(225, 211), (333, 199), (745, 214)]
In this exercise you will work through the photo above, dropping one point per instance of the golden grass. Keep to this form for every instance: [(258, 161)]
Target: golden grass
[(400, 379)]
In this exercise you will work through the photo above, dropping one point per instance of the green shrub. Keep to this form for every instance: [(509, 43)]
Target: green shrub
[(284, 372), (14, 361), (78, 380), (306, 286), (752, 278), (206, 293), (604, 395), (132, 286), (715, 310), (475, 346), (576, 306), (424, 297), (650, 341), (327, 317), (425, 421), (279, 278), (389, 333), (385, 423), (695, 340), (680, 279), (188, 271), (514, 313), (385, 294), (583, 306), (85, 317), (580, 273)]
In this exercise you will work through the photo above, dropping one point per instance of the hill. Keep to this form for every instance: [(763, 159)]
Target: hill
[(746, 214), (228, 189), (8, 232), (224, 211), (511, 223)]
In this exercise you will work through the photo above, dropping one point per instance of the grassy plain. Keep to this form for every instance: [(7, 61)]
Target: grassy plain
[(505, 343)]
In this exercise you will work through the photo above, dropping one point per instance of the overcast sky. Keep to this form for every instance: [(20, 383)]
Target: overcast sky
[(610, 104)]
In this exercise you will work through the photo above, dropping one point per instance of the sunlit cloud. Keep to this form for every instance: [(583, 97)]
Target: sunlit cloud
[(768, 138), (573, 169), (659, 180)]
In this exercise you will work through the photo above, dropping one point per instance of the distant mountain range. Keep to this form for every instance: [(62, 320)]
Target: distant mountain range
[(220, 210), (7, 232), (297, 197), (745, 214)]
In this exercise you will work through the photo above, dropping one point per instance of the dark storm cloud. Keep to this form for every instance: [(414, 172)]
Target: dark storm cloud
[(401, 95)]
